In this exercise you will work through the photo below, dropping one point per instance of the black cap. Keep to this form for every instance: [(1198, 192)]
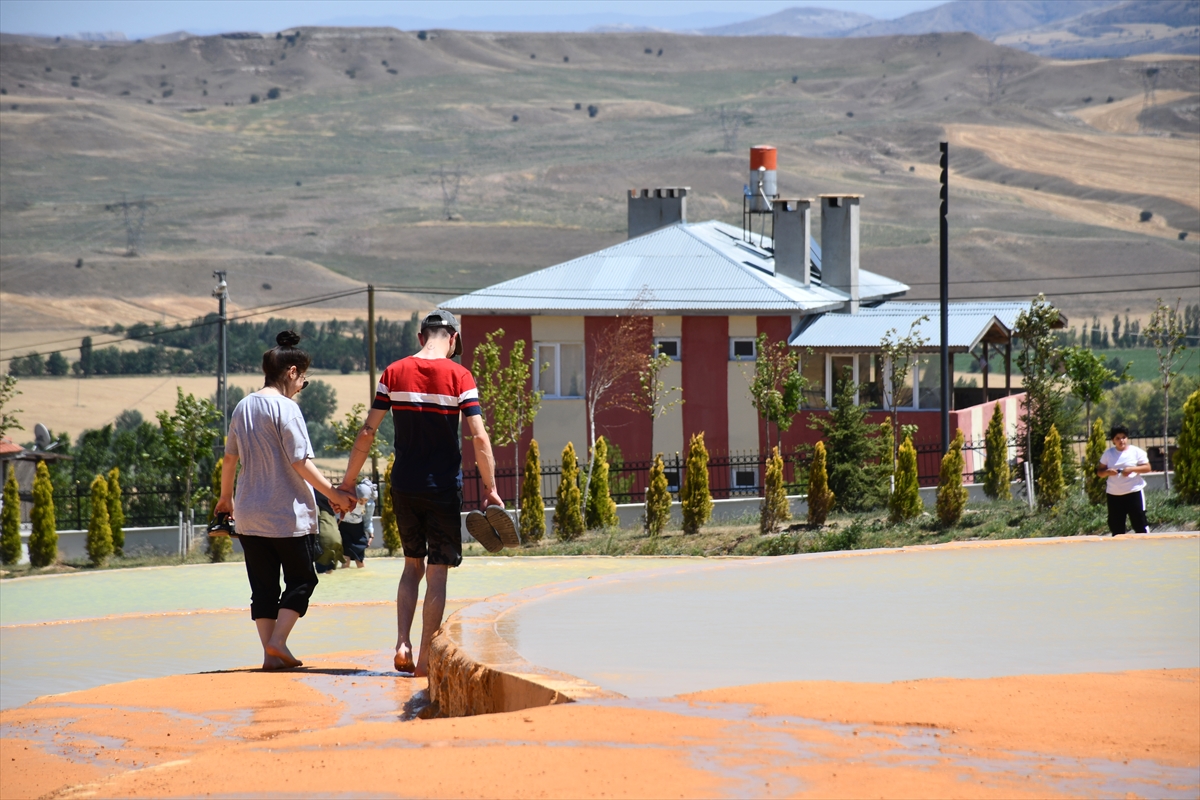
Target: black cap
[(443, 319)]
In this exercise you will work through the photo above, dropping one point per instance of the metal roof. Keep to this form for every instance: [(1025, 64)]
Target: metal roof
[(683, 268), (969, 323)]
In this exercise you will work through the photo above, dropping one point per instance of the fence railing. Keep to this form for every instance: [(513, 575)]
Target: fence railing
[(144, 506)]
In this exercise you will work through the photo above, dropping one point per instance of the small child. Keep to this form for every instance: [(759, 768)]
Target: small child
[(355, 526)]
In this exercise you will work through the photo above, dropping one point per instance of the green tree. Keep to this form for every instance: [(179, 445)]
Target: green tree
[(387, 512), (951, 494), (43, 539), (116, 511), (1088, 374), (820, 499), (852, 450), (1093, 484), (658, 499), (905, 502), (10, 521), (99, 535), (601, 509), (774, 509), (897, 352), (777, 386), (187, 434), (1051, 487), (1187, 458), (57, 365), (8, 414), (317, 402), (1168, 333), (694, 496), (533, 508), (219, 547), (568, 519), (995, 463), (506, 393), (346, 432), (1040, 361)]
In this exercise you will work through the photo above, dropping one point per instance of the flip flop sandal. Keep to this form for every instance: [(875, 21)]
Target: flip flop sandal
[(503, 524), (483, 532)]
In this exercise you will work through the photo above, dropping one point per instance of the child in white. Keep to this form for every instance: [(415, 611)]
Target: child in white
[(1124, 464)]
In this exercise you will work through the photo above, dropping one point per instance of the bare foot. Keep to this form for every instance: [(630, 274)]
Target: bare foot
[(422, 670), (403, 659), (284, 655), (271, 663), (358, 564)]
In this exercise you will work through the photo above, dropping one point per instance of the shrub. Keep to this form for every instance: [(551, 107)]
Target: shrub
[(43, 539), (99, 535), (853, 450), (116, 511), (996, 476), (1050, 484), (1146, 215), (905, 502), (951, 494), (774, 508), (273, 93), (658, 499), (694, 495), (533, 508), (387, 512), (601, 509), (1187, 457), (253, 99), (568, 521), (10, 521), (219, 547), (1093, 484), (820, 499)]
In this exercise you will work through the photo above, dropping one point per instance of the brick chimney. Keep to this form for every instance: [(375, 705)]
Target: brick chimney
[(651, 209), (839, 245), (793, 238)]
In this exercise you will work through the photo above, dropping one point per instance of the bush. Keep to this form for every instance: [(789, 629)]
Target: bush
[(533, 509), (601, 508), (774, 509), (853, 451), (568, 519), (99, 535), (996, 476), (951, 494), (820, 499), (694, 495), (1187, 457), (1051, 487), (658, 499), (387, 512), (10, 521), (905, 502), (43, 539), (116, 511), (57, 364), (253, 99), (273, 93), (219, 547), (1093, 484)]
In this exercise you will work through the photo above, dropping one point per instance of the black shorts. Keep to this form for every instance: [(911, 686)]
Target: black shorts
[(430, 525)]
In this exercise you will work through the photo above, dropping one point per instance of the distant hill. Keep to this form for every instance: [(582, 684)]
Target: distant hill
[(1125, 29), (985, 18), (813, 22)]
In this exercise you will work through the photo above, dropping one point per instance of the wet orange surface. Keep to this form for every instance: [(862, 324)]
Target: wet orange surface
[(346, 726)]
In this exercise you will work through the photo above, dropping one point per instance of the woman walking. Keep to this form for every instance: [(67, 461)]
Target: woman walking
[(276, 512)]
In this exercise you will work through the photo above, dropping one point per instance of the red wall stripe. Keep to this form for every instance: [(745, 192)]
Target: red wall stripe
[(705, 361)]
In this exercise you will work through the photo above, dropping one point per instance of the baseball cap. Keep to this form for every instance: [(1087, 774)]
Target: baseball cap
[(444, 319)]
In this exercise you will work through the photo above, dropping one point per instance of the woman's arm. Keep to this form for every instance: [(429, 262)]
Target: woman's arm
[(228, 476), (340, 500)]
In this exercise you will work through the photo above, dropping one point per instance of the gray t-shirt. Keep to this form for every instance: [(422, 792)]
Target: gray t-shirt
[(267, 433)]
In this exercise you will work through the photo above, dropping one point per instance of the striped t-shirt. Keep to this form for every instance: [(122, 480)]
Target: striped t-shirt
[(426, 397)]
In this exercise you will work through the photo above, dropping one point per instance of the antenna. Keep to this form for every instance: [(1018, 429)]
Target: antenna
[(41, 438)]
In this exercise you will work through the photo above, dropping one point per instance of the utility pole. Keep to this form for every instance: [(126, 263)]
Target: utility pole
[(371, 368), (945, 296), (221, 292)]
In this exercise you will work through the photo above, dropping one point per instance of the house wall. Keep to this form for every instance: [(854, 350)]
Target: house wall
[(474, 331), (560, 421), (743, 418), (706, 380), (632, 431), (668, 429)]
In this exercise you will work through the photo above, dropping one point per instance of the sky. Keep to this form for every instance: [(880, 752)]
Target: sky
[(144, 18)]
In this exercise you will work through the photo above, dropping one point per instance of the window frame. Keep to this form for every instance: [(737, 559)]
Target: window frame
[(914, 374), (558, 374), (678, 340), (733, 340), (734, 489)]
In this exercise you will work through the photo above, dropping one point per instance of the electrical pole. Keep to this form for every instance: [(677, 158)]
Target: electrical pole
[(221, 292), (371, 368), (945, 296)]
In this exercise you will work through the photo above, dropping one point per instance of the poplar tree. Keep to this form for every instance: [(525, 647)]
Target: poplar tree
[(99, 535), (658, 499), (116, 511), (951, 494), (43, 539), (533, 508), (996, 477), (568, 521), (1095, 486), (774, 509), (219, 547), (1187, 456), (10, 521), (695, 497), (820, 499), (387, 512), (1050, 485), (905, 502), (601, 508)]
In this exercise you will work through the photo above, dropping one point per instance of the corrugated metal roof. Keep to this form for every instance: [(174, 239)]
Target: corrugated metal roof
[(968, 323), (705, 267)]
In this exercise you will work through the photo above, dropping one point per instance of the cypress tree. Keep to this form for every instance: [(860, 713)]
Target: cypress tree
[(1187, 457), (116, 511), (387, 512), (533, 508), (820, 499), (1051, 487), (10, 521), (219, 547), (43, 539), (905, 502), (951, 494), (99, 535), (1093, 484), (774, 509), (852, 450), (996, 477), (568, 521), (658, 499), (694, 496), (601, 508)]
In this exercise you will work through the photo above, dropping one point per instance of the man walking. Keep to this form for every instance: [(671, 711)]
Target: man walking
[(427, 394), (1123, 465)]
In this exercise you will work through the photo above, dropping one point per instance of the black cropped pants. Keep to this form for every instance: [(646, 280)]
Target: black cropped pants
[(265, 557), (1132, 505)]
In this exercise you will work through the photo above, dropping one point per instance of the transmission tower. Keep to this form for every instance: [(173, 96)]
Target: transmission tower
[(134, 216)]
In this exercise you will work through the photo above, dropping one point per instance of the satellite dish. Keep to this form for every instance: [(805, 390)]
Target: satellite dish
[(41, 437)]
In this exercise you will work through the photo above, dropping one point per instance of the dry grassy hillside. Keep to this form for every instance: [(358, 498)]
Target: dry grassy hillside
[(335, 181)]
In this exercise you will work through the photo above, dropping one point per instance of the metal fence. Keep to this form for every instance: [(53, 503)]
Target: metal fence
[(144, 506)]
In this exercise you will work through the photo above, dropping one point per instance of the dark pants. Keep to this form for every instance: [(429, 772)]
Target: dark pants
[(430, 525), (354, 539), (1132, 505), (265, 556)]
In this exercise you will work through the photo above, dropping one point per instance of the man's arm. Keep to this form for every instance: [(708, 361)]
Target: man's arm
[(362, 447), (484, 460)]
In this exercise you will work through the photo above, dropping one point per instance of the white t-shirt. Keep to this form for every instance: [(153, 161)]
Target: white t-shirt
[(1123, 459), (267, 433)]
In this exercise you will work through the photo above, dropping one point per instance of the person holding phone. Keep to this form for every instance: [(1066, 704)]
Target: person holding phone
[(1124, 465)]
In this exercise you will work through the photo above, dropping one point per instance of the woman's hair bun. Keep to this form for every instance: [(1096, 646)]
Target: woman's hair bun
[(287, 339)]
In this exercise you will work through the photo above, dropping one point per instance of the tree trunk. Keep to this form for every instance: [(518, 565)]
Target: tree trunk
[(1166, 441), (587, 486)]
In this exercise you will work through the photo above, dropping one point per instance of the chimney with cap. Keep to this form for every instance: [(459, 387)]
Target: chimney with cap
[(839, 245), (651, 209), (793, 238)]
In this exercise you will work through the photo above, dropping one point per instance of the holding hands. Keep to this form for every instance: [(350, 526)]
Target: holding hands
[(343, 501)]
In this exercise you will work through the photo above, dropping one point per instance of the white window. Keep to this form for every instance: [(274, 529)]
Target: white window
[(823, 372), (741, 349), (563, 373), (745, 480), (668, 346)]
